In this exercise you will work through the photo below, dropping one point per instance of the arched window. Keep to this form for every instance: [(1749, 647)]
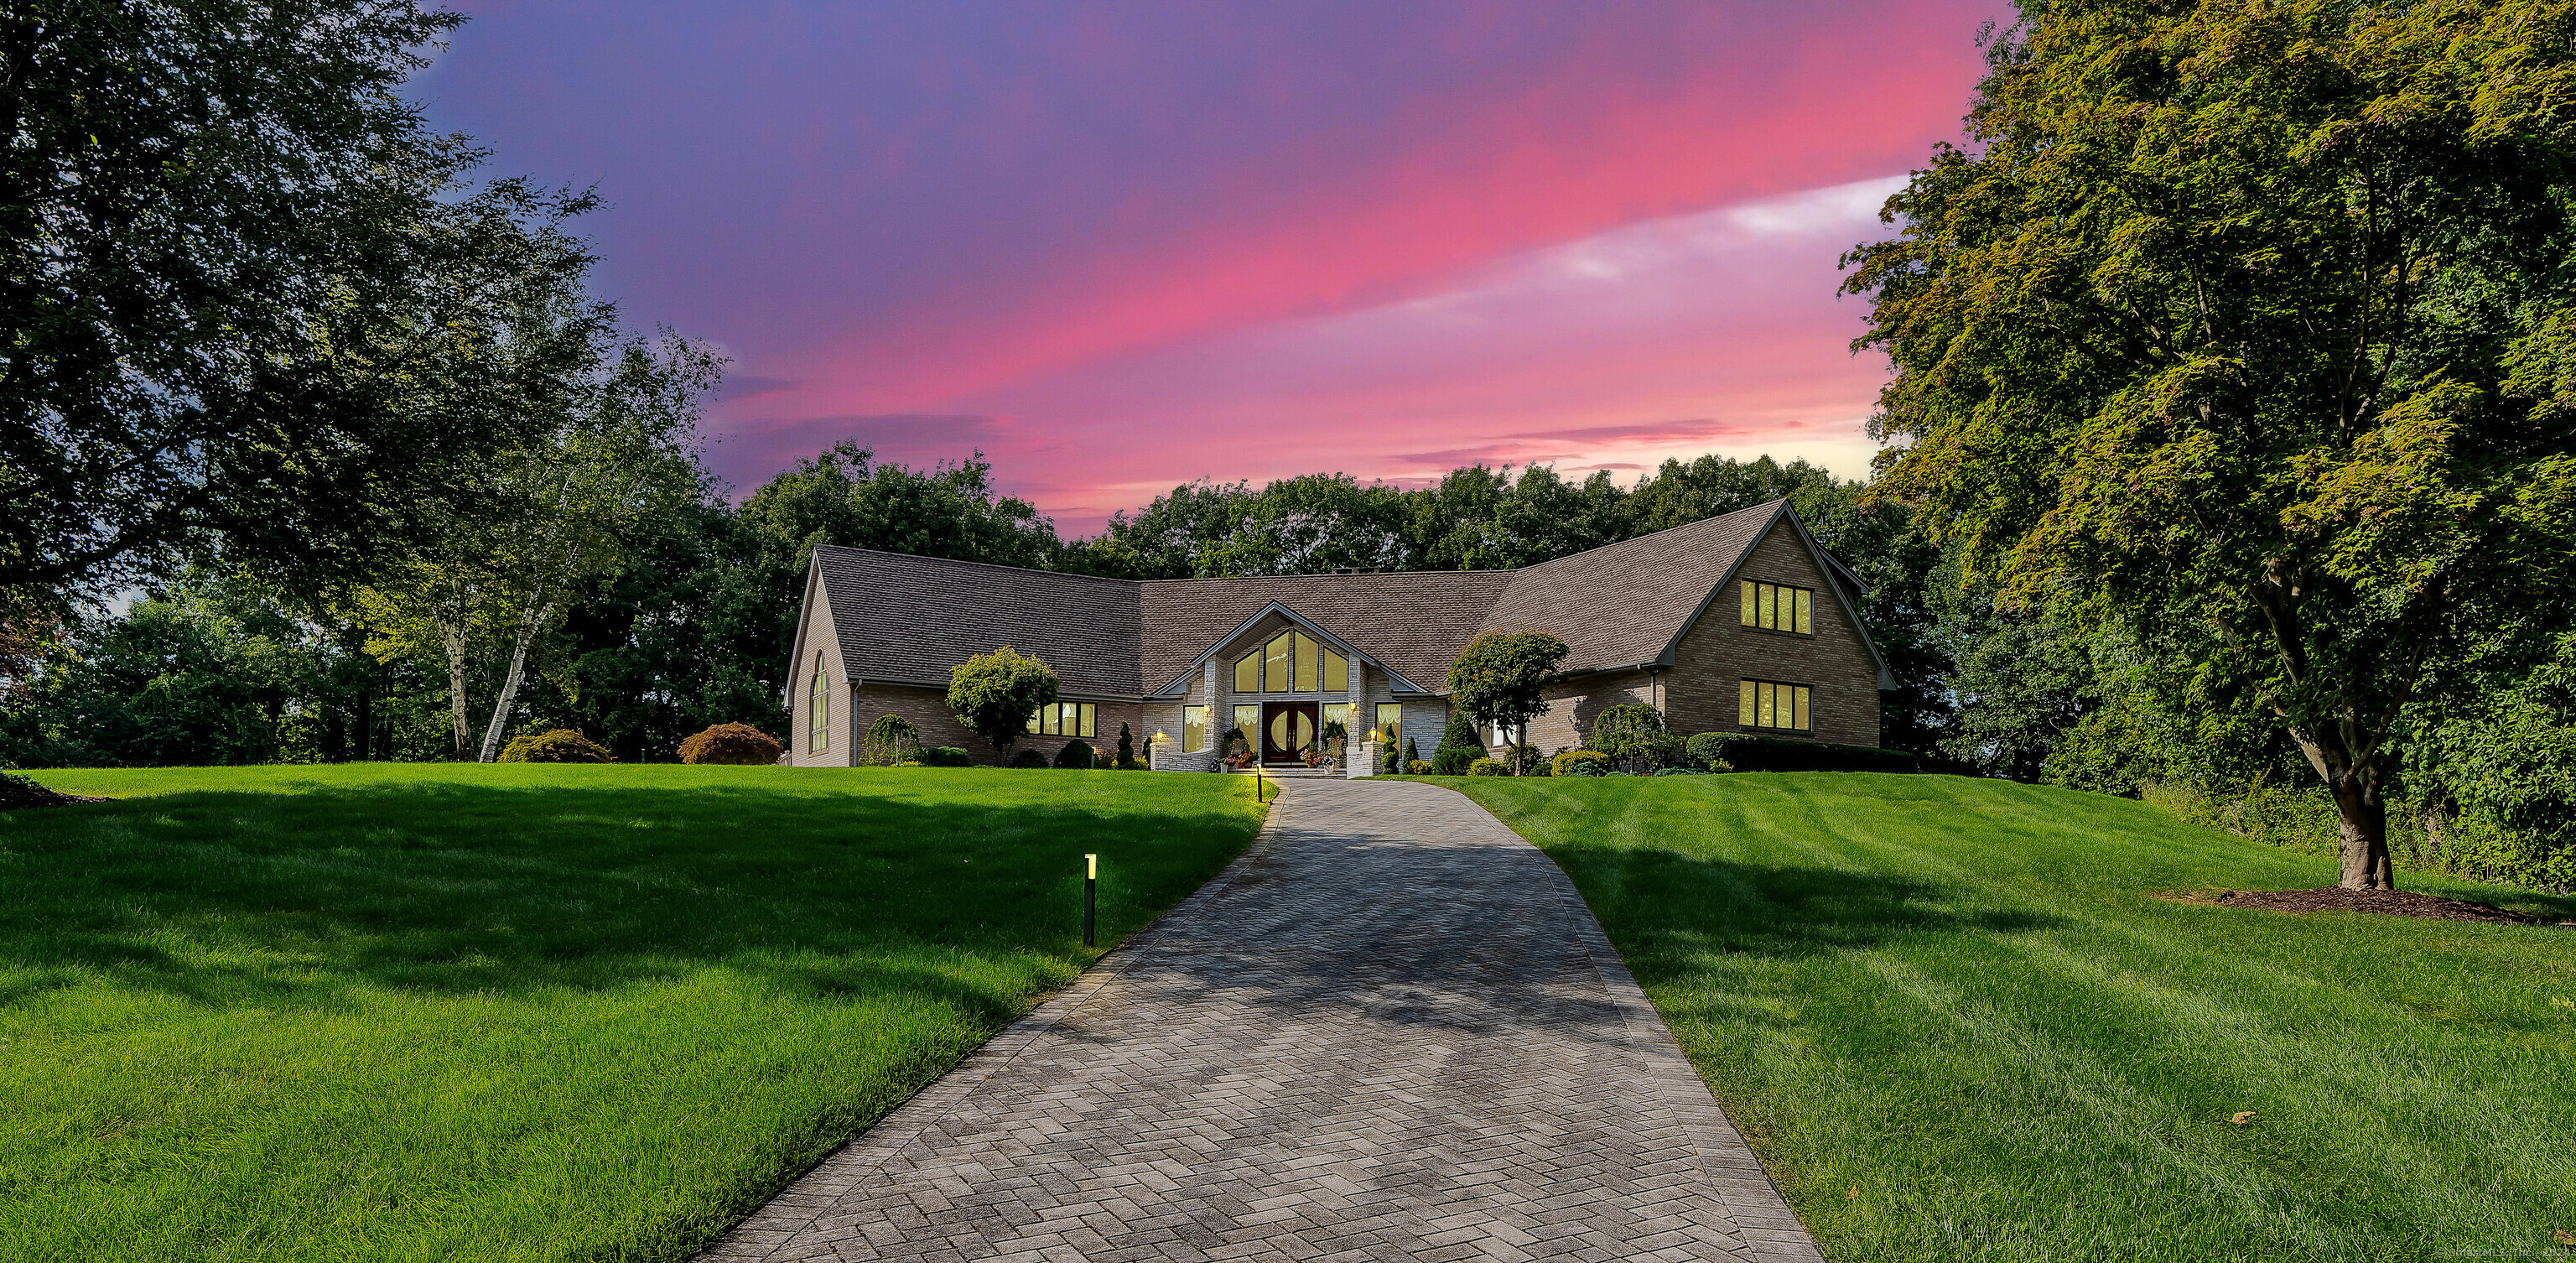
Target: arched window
[(819, 709)]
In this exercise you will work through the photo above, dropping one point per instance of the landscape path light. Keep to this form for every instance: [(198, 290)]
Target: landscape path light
[(1090, 894)]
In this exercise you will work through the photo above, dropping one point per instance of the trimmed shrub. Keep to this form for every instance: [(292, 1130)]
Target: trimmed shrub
[(1412, 755), (1771, 754), (1680, 769), (891, 740), (946, 756), (738, 745), (1076, 753), (1417, 767), (1027, 758), (1488, 767), (1567, 760), (561, 745), (1621, 731), (1705, 748), (1459, 746), (1126, 748)]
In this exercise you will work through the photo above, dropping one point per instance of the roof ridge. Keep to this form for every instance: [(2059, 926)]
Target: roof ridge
[(1681, 526), (988, 565)]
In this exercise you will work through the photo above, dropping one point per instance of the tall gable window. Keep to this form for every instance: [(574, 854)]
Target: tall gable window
[(818, 709), (1293, 662), (1778, 607), (1767, 704)]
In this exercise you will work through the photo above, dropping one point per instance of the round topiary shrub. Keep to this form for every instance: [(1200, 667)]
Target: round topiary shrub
[(561, 745), (1028, 758), (1705, 748), (1567, 760), (1076, 753), (738, 745), (947, 756), (1488, 767)]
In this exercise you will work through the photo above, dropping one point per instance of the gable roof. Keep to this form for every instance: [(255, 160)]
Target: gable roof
[(907, 619)]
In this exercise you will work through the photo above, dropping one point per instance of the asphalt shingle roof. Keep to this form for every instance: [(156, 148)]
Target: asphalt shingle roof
[(910, 619)]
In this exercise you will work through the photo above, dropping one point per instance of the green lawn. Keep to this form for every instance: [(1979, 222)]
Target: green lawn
[(1956, 1025), (524, 1012)]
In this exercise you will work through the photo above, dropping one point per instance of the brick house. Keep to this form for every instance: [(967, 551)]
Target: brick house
[(1737, 623)]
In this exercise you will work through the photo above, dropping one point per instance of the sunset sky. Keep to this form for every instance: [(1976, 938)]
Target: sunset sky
[(1119, 246)]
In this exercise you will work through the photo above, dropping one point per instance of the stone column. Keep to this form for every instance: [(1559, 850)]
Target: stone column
[(1363, 718), (1220, 700)]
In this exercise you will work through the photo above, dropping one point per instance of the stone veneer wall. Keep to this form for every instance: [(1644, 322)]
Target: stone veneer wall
[(1214, 688), (927, 710), (819, 634), (1719, 652)]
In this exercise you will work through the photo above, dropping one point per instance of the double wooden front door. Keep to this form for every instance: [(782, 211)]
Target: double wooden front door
[(1288, 730)]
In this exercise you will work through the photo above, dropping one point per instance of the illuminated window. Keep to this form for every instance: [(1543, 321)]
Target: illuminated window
[(1293, 662), (1337, 673), (1276, 660), (1778, 607), (818, 709), (1247, 674), (1064, 719), (1390, 723), (1338, 713), (1765, 704), (1193, 728), (1247, 722)]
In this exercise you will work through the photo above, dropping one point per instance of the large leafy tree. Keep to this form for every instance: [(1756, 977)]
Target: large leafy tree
[(2258, 319), (993, 694), (244, 290), (1502, 677)]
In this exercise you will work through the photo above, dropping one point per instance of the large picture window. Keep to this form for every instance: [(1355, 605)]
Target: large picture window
[(1390, 723), (1293, 662), (1193, 728), (818, 709), (1769, 704), (1778, 607), (1064, 719)]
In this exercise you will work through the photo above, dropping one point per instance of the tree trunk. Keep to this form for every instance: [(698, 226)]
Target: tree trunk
[(501, 705), (462, 730), (2364, 817)]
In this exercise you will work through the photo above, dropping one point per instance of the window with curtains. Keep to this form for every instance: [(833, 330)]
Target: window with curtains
[(1339, 713), (1193, 728), (1247, 724), (1390, 723), (818, 709), (1293, 662), (1778, 607), (1769, 704), (1064, 719)]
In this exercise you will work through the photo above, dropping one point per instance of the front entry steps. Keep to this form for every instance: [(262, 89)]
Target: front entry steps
[(1296, 772)]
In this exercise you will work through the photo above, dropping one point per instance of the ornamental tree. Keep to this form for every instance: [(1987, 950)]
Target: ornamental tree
[(994, 694), (2252, 326), (1500, 676)]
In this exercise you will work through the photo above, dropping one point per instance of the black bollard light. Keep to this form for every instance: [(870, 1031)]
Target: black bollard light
[(1090, 895)]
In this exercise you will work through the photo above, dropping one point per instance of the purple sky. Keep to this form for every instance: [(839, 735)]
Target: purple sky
[(1118, 246)]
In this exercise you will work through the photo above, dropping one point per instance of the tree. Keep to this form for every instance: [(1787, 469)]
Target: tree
[(543, 517), (2254, 318), (1500, 676), (1628, 731), (994, 694), (246, 294)]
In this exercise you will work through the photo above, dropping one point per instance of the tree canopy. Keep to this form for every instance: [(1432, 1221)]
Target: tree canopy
[(993, 694), (1501, 677), (2252, 325)]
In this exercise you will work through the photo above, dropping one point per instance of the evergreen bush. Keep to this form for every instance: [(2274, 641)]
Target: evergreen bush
[(739, 745), (1027, 758), (1076, 753), (1566, 761), (1772, 754), (946, 756), (1459, 746), (1488, 767), (1126, 748)]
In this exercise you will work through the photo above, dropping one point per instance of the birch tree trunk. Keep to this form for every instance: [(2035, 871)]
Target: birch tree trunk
[(530, 620), (454, 635)]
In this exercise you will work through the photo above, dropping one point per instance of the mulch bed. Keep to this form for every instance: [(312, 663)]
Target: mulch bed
[(18, 791), (2402, 903)]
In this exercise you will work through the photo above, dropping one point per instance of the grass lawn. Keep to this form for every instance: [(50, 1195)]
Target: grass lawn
[(1955, 1025), (526, 1012)]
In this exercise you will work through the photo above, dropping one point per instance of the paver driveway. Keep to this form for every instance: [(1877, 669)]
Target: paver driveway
[(1391, 1030)]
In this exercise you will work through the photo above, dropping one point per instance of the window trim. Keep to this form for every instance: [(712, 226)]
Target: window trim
[(1306, 667), (1395, 731), (1190, 716), (1753, 604), (1748, 704)]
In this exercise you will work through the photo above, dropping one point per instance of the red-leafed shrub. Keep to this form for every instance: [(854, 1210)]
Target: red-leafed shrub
[(739, 744)]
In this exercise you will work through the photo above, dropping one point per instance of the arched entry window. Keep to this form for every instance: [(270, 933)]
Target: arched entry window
[(819, 709)]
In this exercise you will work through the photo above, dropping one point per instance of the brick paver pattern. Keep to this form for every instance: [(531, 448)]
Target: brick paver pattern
[(1391, 1030)]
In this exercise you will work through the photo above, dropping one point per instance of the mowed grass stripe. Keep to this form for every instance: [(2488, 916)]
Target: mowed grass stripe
[(1956, 1022), (447, 1012)]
